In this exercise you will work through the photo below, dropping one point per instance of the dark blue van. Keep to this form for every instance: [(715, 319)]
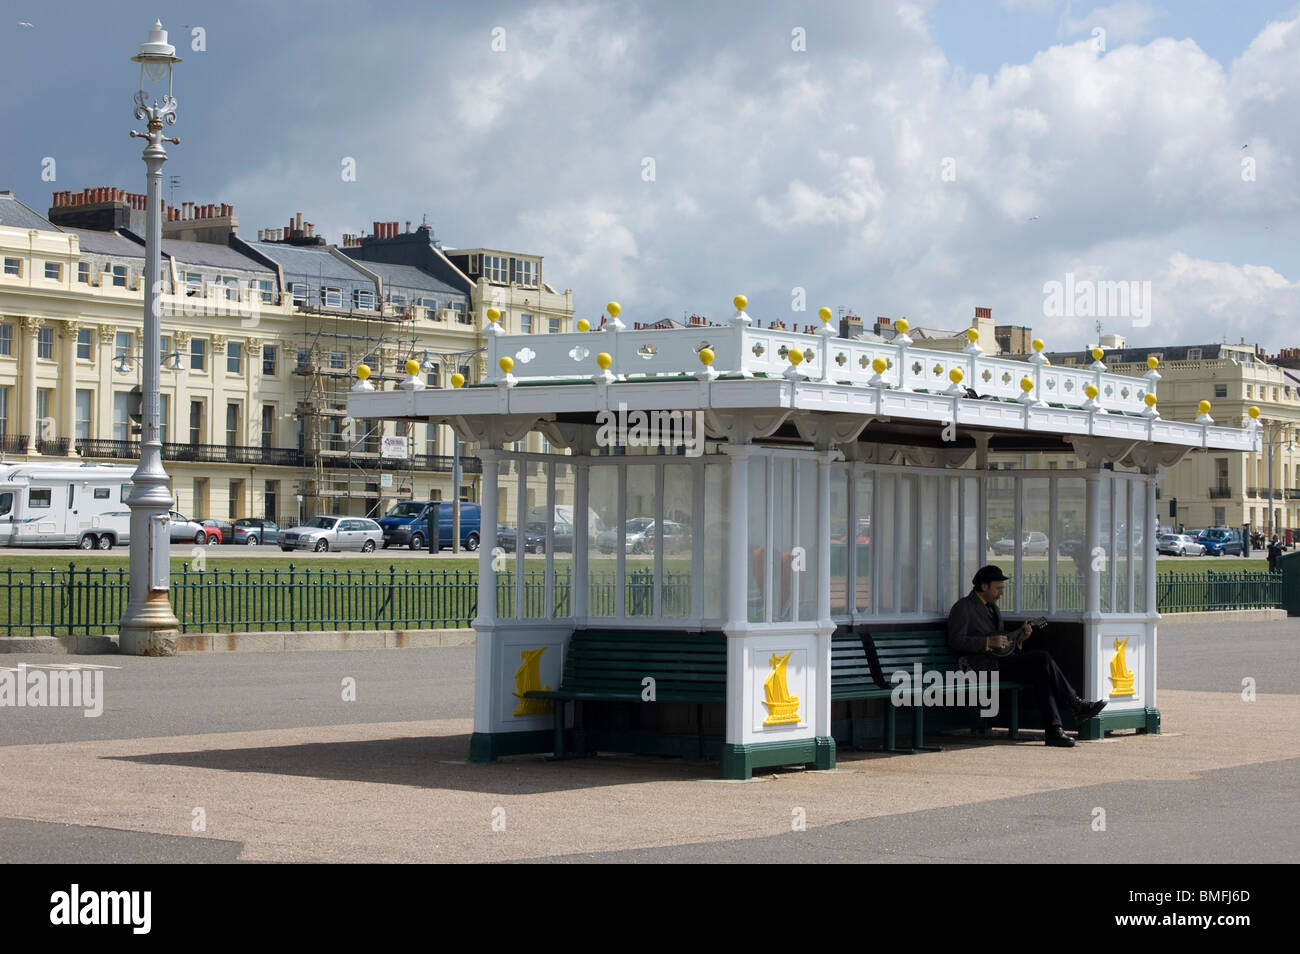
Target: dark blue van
[(407, 524)]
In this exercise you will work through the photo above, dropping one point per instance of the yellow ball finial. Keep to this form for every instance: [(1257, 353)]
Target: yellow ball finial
[(613, 308), (506, 364), (1026, 384), (1253, 411), (1150, 400), (795, 355), (1153, 362), (824, 314), (1039, 344), (1203, 407), (363, 371), (972, 335), (583, 324), (902, 324), (604, 360), (740, 301), (879, 365), (412, 366), (458, 380), (1097, 354), (706, 356), (493, 314), (955, 375), (1091, 391)]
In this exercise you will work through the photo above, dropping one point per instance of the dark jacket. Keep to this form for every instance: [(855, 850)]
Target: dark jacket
[(969, 625)]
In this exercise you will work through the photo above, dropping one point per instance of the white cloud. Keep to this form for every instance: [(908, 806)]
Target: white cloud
[(1125, 22)]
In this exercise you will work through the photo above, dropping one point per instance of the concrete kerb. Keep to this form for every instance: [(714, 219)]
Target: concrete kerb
[(335, 640), (308, 641)]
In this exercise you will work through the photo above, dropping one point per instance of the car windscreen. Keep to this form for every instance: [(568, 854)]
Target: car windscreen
[(406, 510), (321, 523)]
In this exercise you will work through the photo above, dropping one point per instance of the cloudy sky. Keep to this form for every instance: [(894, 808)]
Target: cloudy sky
[(915, 159)]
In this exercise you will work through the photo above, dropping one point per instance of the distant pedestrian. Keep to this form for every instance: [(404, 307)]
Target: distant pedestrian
[(1274, 553)]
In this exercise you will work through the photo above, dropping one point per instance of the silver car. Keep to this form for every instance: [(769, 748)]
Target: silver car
[(333, 533), (1180, 544)]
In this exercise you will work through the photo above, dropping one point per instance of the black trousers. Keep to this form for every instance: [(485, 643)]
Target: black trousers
[(1036, 668)]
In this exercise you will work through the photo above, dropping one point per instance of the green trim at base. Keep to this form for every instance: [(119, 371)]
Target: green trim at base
[(1144, 720), (489, 746), (739, 761)]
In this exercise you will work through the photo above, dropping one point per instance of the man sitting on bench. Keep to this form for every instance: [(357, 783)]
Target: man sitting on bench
[(975, 627)]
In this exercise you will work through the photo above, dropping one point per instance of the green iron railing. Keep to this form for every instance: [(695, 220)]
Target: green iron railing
[(90, 601)]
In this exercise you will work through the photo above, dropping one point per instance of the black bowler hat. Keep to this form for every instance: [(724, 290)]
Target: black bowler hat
[(988, 574)]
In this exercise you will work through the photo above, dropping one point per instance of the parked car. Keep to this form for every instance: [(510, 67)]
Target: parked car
[(253, 531), (561, 537), (1032, 543), (634, 533), (183, 530), (1179, 544), (863, 536), (224, 527), (407, 524), (1220, 541), (333, 533)]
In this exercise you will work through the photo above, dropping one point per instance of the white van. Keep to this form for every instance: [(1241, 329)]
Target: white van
[(564, 515), (65, 504)]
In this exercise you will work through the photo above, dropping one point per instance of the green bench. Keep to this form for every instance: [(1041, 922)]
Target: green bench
[(611, 665), (863, 665)]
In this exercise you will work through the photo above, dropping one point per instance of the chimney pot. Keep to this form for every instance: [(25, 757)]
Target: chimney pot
[(408, 226)]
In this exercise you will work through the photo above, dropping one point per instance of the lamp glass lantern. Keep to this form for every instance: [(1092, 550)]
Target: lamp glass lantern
[(156, 58)]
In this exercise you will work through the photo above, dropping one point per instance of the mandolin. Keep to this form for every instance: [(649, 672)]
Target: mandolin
[(1038, 622)]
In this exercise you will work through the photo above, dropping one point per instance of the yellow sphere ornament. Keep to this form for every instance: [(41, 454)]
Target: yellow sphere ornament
[(1150, 400), (613, 308), (795, 355), (972, 335), (412, 366), (824, 314), (363, 371), (1097, 354), (1153, 362), (493, 314), (583, 324), (506, 364), (706, 356), (1203, 407), (604, 360), (1253, 411), (955, 375), (1091, 390), (740, 301), (879, 365), (1039, 344), (902, 325), (458, 380), (1026, 384)]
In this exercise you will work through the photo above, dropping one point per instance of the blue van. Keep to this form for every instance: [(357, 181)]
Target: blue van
[(407, 524)]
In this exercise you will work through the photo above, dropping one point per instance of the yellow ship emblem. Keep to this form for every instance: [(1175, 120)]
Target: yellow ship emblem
[(782, 708), (529, 677), (1120, 675)]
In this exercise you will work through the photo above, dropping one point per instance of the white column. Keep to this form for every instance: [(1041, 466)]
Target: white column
[(66, 393), (485, 620), (826, 625), (737, 589), (30, 325)]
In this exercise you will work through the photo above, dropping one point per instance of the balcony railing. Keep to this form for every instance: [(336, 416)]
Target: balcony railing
[(1220, 493), (13, 443), (57, 446), (203, 453), (1293, 493), (1252, 491)]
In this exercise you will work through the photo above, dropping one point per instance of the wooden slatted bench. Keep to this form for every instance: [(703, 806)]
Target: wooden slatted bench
[(863, 665), (610, 665)]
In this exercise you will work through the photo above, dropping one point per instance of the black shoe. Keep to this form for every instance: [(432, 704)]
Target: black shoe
[(1088, 710), (1056, 736)]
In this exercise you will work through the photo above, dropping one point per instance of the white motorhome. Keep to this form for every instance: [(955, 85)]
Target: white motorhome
[(65, 504)]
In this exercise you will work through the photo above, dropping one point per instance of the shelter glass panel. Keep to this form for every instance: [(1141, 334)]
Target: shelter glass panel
[(1124, 543), (1071, 544), (534, 519), (678, 539), (641, 532), (717, 508), (1037, 547), (563, 540), (888, 539), (1001, 523), (1107, 561), (757, 539), (782, 506), (1144, 542), (974, 548), (861, 540), (507, 516), (928, 542), (602, 548), (810, 579), (840, 541), (906, 544)]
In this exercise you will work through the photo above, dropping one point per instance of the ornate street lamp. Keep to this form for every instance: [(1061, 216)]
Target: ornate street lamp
[(149, 627)]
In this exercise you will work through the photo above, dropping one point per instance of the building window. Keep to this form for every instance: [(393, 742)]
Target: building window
[(39, 498), (4, 412), (232, 425), (196, 422), (430, 305), (1249, 390), (553, 325), (236, 499), (526, 324), (45, 343), (1193, 354), (266, 288), (234, 357), (496, 268), (1220, 390), (268, 360), (336, 360), (397, 300), (459, 308), (193, 283), (44, 397), (119, 276), (164, 415), (1220, 516), (268, 425), (14, 267), (304, 357), (363, 299), (6, 339), (271, 493), (198, 354), (121, 415), (85, 344), (331, 297), (83, 272), (232, 288), (53, 271), (122, 344), (299, 292), (434, 378), (526, 272)]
